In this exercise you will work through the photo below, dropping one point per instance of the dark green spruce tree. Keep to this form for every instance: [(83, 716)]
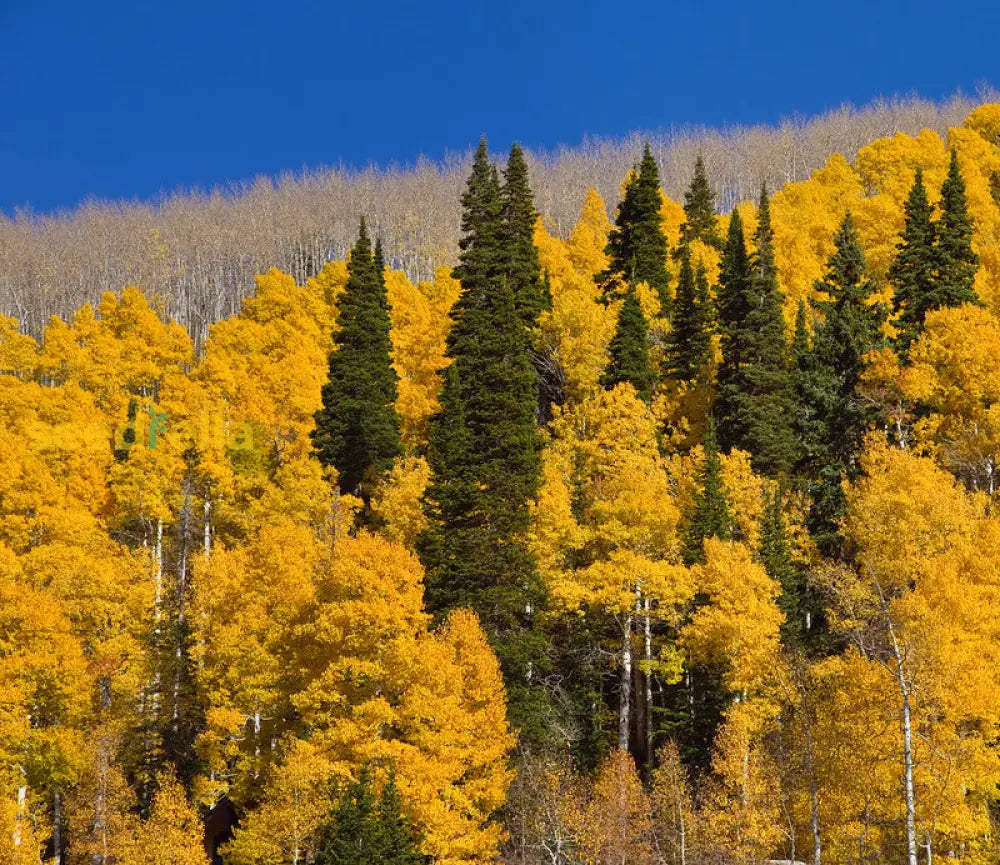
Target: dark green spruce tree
[(363, 829), (637, 247), (689, 343), (397, 840), (733, 298), (803, 369), (484, 452), (710, 515), (761, 390), (532, 293), (628, 352), (699, 209), (776, 555), (850, 329), (956, 262), (523, 272), (357, 428), (913, 272)]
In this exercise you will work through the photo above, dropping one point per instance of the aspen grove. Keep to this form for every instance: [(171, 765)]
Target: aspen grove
[(665, 538)]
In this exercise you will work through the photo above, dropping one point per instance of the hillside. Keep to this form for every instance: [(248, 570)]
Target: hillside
[(650, 522)]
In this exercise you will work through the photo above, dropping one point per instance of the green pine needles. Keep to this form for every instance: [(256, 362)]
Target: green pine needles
[(935, 265), (365, 828), (484, 447), (357, 428), (637, 247), (629, 350)]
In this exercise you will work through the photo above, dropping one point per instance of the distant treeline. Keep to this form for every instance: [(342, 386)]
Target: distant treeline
[(198, 252)]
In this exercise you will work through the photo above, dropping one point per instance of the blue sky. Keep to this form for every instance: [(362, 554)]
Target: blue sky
[(127, 99)]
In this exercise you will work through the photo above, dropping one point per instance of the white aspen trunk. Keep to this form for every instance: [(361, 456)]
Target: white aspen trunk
[(157, 609), (56, 828), (814, 824), (906, 722), (682, 827), (625, 697), (648, 679), (256, 741), (207, 541), (22, 799), (185, 526), (814, 813), (158, 570), (911, 831)]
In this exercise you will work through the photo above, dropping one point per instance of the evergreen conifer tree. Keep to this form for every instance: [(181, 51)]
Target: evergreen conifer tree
[(397, 842), (357, 428), (803, 367), (484, 451), (699, 209), (710, 515), (851, 328), (755, 392), (760, 393), (689, 342), (913, 272), (776, 556), (628, 351), (364, 830), (523, 272), (352, 830), (637, 247), (732, 309), (956, 262)]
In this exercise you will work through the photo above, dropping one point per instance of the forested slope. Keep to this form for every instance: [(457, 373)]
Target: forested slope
[(669, 540)]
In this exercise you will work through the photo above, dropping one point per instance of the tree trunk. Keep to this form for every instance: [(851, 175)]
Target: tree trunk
[(208, 529), (906, 722), (182, 564), (56, 828), (22, 799), (648, 681), (625, 695)]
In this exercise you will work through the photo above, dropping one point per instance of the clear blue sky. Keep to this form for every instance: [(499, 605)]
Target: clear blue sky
[(128, 98)]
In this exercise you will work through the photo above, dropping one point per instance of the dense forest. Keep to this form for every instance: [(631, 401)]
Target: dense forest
[(668, 536)]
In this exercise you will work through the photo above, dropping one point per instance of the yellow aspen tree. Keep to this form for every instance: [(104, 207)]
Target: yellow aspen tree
[(614, 825), (171, 835)]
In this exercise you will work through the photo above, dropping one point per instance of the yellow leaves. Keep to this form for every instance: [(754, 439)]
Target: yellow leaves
[(576, 331), (286, 826), (887, 165), (903, 513), (737, 628), (340, 636), (741, 813), (611, 584), (270, 363), (127, 350), (608, 447), (44, 681), (18, 352), (590, 236), (613, 824), (805, 217), (398, 502), (173, 834), (986, 121), (420, 324)]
